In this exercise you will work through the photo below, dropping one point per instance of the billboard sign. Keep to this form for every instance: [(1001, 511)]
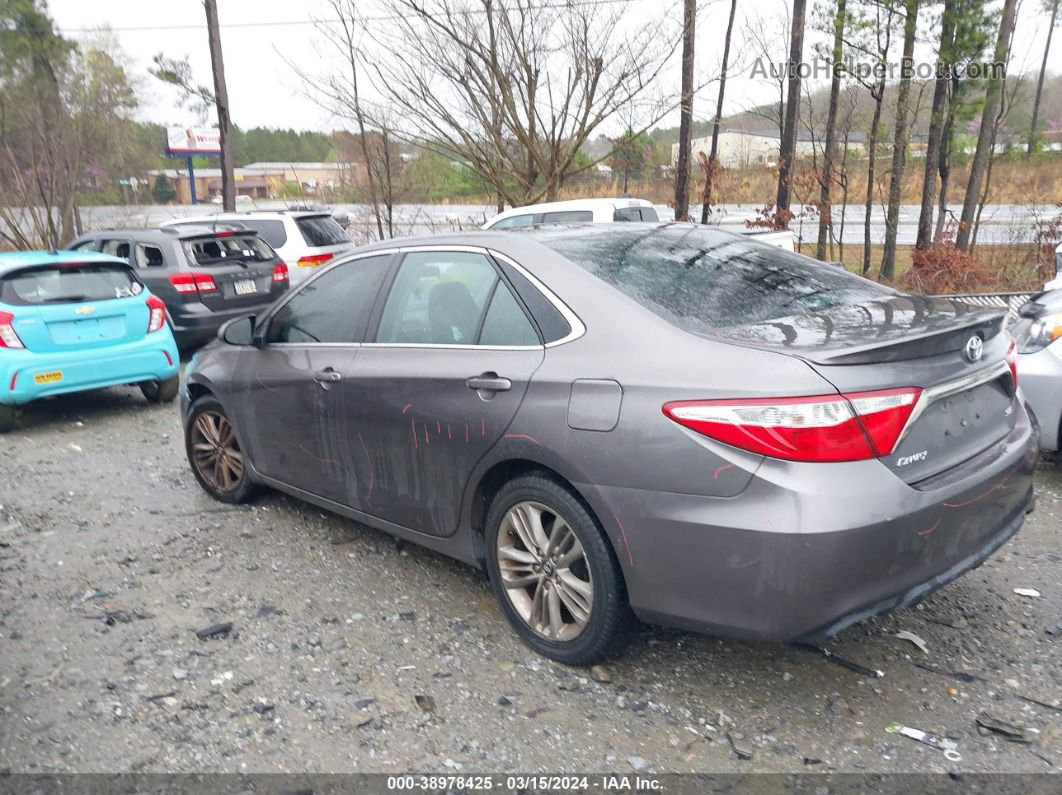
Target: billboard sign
[(191, 141)]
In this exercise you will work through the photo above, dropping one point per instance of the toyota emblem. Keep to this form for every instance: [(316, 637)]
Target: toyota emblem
[(975, 348)]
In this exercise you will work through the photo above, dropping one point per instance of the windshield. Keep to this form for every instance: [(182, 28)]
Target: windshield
[(227, 248), (321, 230), (69, 284), (703, 279)]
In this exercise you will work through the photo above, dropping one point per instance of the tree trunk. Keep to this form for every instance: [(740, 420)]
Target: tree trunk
[(936, 124), (713, 162), (899, 140), (221, 100), (993, 97), (872, 152), (946, 142), (792, 107), (682, 166), (1040, 82), (825, 213)]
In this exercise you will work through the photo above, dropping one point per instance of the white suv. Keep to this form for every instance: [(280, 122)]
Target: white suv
[(304, 239), (575, 211)]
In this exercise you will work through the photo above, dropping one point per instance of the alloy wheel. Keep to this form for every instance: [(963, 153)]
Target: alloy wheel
[(544, 571), (216, 452)]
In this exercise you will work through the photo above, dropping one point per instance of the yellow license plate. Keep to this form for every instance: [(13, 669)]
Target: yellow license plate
[(48, 378)]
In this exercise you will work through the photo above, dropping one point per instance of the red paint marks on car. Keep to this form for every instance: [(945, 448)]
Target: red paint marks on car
[(720, 470), (523, 436), (626, 544)]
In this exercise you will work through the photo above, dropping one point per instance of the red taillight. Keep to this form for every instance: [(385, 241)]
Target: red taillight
[(157, 316), (280, 273), (191, 283), (1012, 361), (8, 335), (314, 260), (825, 428)]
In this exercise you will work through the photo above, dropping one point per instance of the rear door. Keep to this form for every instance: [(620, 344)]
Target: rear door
[(239, 265), (75, 306), (439, 385)]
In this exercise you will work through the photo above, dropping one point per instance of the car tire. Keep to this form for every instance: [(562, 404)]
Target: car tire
[(164, 391), (208, 425), (8, 415), (562, 589)]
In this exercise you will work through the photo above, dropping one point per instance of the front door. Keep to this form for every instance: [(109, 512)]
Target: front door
[(438, 386), (294, 383)]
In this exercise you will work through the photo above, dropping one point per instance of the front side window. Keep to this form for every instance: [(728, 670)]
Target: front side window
[(514, 220), (334, 307), (438, 298)]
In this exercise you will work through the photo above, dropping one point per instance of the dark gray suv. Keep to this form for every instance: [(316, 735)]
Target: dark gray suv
[(656, 420), (204, 274)]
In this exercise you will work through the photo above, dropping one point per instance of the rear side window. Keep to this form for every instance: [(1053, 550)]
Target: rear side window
[(226, 249), (438, 298), (550, 321), (506, 323), (702, 280), (117, 248), (272, 232), (69, 284), (334, 307), (568, 217), (515, 220), (635, 214), (148, 256), (321, 230)]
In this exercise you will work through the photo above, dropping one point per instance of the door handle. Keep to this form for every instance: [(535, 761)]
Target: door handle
[(489, 382), (327, 376)]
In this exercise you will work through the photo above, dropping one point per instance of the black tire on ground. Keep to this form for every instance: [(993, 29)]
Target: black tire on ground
[(240, 489), (610, 621), (8, 414), (161, 391)]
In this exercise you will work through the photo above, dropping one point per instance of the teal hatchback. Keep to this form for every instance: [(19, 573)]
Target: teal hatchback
[(72, 321)]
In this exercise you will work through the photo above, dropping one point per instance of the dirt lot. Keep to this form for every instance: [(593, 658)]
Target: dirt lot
[(350, 651)]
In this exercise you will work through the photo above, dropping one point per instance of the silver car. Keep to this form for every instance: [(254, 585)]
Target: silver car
[(1039, 339), (661, 421)]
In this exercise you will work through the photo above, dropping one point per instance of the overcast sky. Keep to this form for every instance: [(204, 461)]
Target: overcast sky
[(263, 90)]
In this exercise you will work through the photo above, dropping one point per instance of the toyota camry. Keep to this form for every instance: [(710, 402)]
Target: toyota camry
[(655, 421)]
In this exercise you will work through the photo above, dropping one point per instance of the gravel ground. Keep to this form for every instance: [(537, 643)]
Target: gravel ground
[(352, 652)]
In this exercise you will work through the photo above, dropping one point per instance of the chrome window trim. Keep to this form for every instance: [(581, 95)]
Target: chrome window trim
[(452, 346), (932, 394)]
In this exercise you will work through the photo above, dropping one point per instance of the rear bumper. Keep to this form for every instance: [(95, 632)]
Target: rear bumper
[(149, 359), (810, 549)]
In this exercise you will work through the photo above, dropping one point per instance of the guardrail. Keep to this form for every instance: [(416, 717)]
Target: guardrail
[(1009, 301)]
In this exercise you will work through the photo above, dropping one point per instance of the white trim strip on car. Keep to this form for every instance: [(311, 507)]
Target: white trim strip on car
[(932, 394)]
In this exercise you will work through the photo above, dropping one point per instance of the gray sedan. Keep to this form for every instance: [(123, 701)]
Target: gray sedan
[(661, 421)]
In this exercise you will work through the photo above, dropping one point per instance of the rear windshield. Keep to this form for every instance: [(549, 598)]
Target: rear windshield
[(69, 284), (703, 279), (321, 230), (225, 249)]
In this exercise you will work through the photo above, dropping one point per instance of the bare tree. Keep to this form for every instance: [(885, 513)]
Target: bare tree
[(1052, 6), (713, 156), (899, 143), (872, 36), (789, 133), (762, 37), (682, 162), (986, 134), (945, 64), (511, 88), (830, 144)]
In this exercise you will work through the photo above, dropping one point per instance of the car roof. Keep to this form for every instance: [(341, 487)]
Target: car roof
[(244, 215), (574, 204), (166, 234), (21, 259)]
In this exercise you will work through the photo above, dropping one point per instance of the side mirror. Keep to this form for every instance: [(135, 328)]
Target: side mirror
[(238, 331)]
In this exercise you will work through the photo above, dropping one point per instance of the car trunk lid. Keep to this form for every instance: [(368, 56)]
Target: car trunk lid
[(75, 306), (230, 270), (954, 353)]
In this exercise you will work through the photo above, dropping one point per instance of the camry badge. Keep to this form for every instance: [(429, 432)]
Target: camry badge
[(974, 349)]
